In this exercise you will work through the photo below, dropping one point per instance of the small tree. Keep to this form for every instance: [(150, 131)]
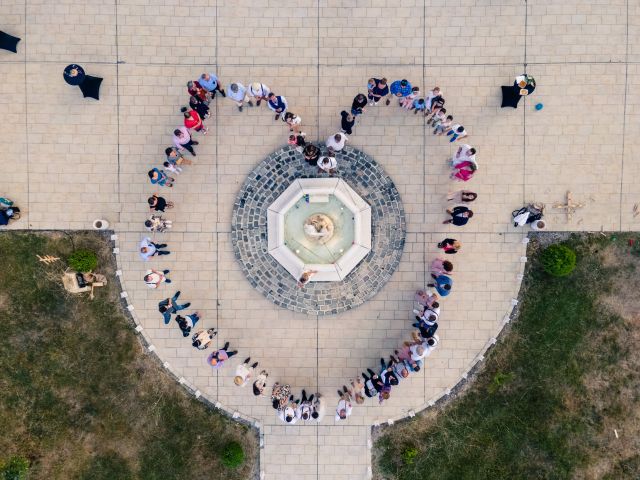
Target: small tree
[(233, 455), (83, 261), (558, 260)]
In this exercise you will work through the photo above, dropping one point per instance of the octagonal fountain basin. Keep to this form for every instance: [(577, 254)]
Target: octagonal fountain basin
[(319, 224)]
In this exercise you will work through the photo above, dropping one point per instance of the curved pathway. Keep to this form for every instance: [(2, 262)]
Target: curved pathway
[(72, 160)]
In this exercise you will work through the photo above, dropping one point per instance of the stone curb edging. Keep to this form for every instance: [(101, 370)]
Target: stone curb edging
[(129, 312), (472, 367)]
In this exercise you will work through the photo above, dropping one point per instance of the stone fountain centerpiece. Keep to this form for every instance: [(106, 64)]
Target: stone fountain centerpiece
[(319, 224)]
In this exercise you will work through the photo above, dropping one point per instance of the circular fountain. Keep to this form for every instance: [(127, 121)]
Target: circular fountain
[(319, 224)]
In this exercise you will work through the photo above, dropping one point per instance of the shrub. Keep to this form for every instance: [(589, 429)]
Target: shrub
[(500, 379), (83, 261), (14, 469), (409, 454), (232, 455), (558, 260)]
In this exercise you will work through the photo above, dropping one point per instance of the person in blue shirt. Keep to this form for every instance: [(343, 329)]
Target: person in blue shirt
[(442, 284), (169, 306), (419, 105), (211, 84), (400, 88)]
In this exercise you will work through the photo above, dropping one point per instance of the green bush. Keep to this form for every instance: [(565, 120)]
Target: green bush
[(14, 469), (558, 260), (83, 261), (409, 454), (233, 455)]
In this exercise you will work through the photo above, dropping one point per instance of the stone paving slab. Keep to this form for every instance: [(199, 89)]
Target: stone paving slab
[(168, 33), (569, 148), (462, 32), (576, 31), (82, 30), (72, 153), (282, 33)]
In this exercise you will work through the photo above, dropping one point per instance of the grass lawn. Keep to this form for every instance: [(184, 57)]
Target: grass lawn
[(552, 393), (79, 399)]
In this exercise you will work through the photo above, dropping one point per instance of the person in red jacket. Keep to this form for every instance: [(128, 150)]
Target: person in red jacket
[(193, 121)]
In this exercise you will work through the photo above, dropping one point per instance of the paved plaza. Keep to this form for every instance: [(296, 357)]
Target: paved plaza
[(70, 160)]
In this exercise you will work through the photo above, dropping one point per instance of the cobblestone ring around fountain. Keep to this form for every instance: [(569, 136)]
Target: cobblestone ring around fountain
[(368, 187)]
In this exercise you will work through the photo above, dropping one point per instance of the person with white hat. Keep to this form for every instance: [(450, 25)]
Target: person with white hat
[(244, 372), (259, 91)]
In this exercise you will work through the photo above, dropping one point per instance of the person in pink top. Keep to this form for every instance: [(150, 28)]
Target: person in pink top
[(216, 359), (464, 171), (182, 140), (440, 266)]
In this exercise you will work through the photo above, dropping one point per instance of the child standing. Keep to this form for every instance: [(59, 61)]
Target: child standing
[(418, 105), (444, 125), (407, 102), (457, 132)]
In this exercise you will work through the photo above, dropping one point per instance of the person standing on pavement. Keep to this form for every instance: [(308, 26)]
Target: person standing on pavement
[(159, 177), (185, 324), (211, 84), (407, 102), (148, 249), (182, 140), (203, 338), (450, 246), (440, 266), (238, 93), (344, 408), (465, 153), (260, 383), (465, 196), (457, 132), (311, 154), (193, 121), (444, 125), (400, 89), (153, 278), (328, 164), (442, 284), (244, 372), (278, 104), (459, 216), (175, 157), (294, 121), (336, 142), (158, 204), (216, 359), (259, 91), (319, 408), (169, 306), (199, 106), (347, 122), (196, 90), (358, 104), (377, 90)]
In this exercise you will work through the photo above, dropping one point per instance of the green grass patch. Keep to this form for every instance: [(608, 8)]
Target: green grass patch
[(551, 392), (78, 397)]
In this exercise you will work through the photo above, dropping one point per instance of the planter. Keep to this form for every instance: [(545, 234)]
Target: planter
[(539, 225), (100, 224)]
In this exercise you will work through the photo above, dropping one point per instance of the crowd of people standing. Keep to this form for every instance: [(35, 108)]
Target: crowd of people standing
[(405, 360)]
